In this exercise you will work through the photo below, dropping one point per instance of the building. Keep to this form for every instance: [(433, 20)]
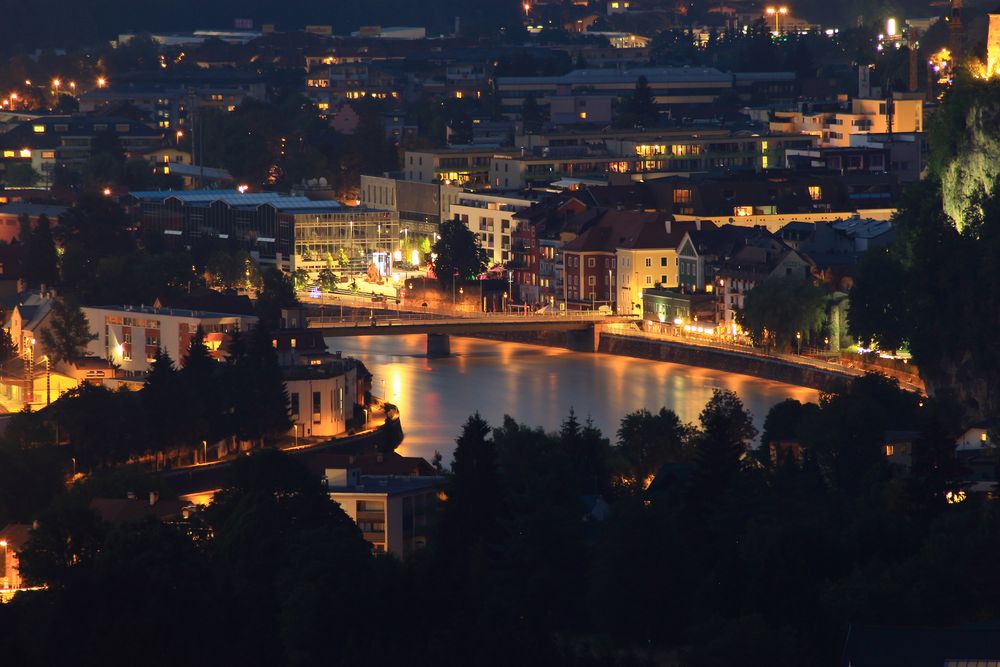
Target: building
[(395, 513), (50, 141), (420, 207), (888, 646), (322, 395), (761, 256), (675, 89), (13, 538), (665, 310), (468, 167), (902, 113), (12, 214), (290, 232), (130, 336), (492, 219), (647, 258)]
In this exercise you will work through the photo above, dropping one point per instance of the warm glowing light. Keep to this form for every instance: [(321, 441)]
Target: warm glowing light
[(243, 188), (25, 152), (107, 193), (3, 544), (56, 83), (101, 82), (891, 27)]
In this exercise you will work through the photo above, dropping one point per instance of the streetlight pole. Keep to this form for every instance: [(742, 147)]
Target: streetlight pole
[(798, 340)]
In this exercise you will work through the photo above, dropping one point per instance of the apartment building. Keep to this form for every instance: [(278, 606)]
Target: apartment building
[(491, 218), (648, 258), (395, 513), (322, 395), (459, 166), (131, 335), (899, 114)]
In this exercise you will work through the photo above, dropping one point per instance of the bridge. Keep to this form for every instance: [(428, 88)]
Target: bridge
[(583, 328)]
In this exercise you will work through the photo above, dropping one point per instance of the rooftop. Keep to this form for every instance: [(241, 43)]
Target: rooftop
[(390, 484)]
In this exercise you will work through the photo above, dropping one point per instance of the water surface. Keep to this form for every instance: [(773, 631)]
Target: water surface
[(537, 386)]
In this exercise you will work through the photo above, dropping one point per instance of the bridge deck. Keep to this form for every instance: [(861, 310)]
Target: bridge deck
[(483, 323)]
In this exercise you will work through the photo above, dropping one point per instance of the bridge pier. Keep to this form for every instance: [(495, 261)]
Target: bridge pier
[(584, 340), (438, 345)]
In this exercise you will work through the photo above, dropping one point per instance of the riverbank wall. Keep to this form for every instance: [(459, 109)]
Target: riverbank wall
[(701, 356), (204, 478)]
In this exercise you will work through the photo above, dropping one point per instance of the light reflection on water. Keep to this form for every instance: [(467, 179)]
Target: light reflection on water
[(536, 385)]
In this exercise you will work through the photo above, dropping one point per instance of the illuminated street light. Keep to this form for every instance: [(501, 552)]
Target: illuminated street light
[(56, 83), (101, 82)]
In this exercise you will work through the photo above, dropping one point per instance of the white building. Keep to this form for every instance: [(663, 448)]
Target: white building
[(321, 397), (866, 116), (491, 218), (130, 335)]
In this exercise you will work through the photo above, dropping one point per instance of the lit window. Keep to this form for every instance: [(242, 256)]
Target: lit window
[(39, 129), (682, 196), (743, 211), (25, 152), (583, 115), (982, 437), (458, 94), (815, 192), (9, 153), (890, 450)]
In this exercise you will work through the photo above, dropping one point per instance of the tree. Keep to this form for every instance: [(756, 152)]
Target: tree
[(877, 304), (7, 349), (779, 309), (21, 175), (531, 113), (647, 441), (95, 228), (459, 254), (163, 401), (41, 262), (68, 334), (200, 386), (277, 293), (726, 433), (469, 517), (640, 108)]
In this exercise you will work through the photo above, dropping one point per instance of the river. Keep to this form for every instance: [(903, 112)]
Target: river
[(536, 385)]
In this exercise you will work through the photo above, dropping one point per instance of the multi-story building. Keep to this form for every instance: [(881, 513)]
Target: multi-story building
[(395, 513), (901, 113), (45, 143), (491, 218), (761, 257), (620, 160), (322, 395), (648, 259), (290, 232), (131, 335), (420, 207), (673, 88), (459, 166)]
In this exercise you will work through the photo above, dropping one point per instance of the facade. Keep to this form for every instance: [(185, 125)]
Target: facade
[(865, 116), (288, 232), (673, 88), (394, 513), (491, 219), (420, 207), (322, 396), (648, 259), (762, 256), (130, 336), (459, 166)]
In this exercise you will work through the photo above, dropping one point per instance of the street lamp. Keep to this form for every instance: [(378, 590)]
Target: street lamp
[(777, 13), (798, 340)]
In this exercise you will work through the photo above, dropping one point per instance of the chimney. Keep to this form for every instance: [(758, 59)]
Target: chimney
[(668, 223)]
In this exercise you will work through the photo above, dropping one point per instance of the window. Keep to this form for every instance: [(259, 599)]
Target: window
[(649, 262), (583, 115), (649, 280), (371, 506), (743, 211), (663, 280), (122, 127), (294, 399), (682, 196), (815, 192), (890, 450), (591, 262), (591, 280), (663, 261), (316, 407)]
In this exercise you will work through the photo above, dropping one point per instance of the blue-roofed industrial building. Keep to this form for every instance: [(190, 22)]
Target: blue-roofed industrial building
[(290, 232)]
